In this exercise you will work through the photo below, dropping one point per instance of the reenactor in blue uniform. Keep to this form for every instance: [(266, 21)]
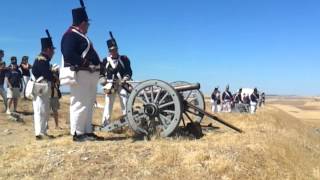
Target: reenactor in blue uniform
[(238, 97), (227, 100), (42, 74), (238, 102), (116, 71), (216, 100), (80, 56), (246, 102), (254, 98), (262, 99)]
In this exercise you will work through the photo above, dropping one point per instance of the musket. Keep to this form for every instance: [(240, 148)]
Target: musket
[(123, 84)]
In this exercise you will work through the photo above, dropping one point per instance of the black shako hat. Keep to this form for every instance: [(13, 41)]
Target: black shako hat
[(47, 41), (79, 14), (112, 43)]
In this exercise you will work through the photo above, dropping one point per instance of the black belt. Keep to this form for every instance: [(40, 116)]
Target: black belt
[(87, 69), (90, 69), (79, 68)]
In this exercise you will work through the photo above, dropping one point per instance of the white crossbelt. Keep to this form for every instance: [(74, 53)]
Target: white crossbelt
[(85, 52)]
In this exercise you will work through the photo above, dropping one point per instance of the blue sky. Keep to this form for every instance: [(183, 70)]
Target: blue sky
[(271, 44)]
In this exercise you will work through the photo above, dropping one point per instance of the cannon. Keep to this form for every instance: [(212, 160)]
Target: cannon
[(157, 107)]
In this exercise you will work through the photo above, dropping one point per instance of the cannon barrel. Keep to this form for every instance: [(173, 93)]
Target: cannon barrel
[(181, 88), (189, 87)]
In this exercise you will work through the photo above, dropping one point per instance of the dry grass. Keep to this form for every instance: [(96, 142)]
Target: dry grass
[(275, 145)]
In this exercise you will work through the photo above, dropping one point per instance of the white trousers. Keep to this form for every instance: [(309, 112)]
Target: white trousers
[(218, 107), (227, 106), (82, 98), (41, 110), (109, 101), (253, 107), (214, 107), (25, 81)]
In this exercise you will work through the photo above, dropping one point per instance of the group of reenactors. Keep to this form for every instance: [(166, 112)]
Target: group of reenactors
[(15, 77), (82, 69), (238, 102), (80, 59)]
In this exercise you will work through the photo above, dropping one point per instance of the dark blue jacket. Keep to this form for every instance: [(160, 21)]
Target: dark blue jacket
[(216, 96), (41, 67), (72, 46), (254, 97), (238, 98), (226, 95), (124, 70)]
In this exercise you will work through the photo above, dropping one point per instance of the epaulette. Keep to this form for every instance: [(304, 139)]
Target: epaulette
[(41, 58)]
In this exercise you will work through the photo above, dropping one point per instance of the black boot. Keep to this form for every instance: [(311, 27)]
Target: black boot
[(78, 138), (94, 137)]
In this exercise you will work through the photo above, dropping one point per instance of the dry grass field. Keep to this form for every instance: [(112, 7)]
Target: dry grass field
[(281, 141)]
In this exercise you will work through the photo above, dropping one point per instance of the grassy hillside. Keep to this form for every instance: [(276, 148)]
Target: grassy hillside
[(275, 145)]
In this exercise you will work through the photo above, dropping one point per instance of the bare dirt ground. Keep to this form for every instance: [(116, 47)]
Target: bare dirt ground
[(281, 141)]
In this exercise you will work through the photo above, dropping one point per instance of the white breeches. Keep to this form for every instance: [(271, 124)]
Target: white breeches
[(110, 98), (253, 107), (226, 106), (82, 98), (215, 107), (41, 108), (218, 107)]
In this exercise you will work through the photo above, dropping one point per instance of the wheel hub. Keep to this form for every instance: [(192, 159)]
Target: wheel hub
[(151, 110)]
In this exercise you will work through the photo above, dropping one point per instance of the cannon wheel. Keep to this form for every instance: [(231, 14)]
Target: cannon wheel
[(154, 107), (194, 97)]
